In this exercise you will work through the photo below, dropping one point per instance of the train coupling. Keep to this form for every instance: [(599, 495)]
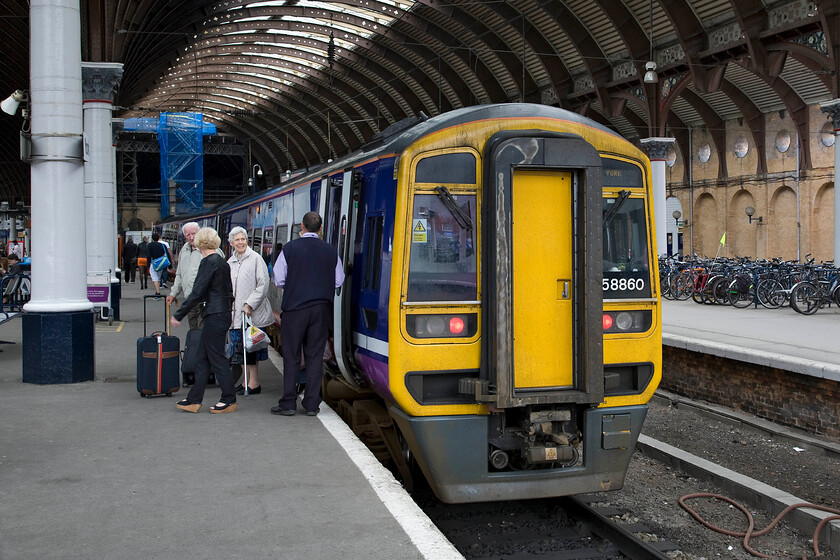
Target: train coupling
[(551, 454), (548, 441)]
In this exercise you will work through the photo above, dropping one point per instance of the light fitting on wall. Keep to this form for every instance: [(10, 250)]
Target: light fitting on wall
[(650, 65), (10, 104), (750, 211)]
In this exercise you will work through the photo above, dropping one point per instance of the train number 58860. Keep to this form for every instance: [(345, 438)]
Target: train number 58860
[(624, 284)]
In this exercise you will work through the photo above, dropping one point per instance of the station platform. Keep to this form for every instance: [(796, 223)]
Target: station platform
[(91, 470), (780, 338)]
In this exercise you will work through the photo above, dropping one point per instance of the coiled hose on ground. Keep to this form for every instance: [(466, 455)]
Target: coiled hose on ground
[(750, 533)]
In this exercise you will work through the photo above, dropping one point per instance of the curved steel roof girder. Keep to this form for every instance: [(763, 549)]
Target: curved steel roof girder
[(590, 52), (376, 77), (365, 49), (692, 38), (340, 91)]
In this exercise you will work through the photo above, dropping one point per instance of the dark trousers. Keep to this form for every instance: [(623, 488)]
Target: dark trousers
[(195, 317), (144, 277), (305, 329), (212, 358), (130, 272)]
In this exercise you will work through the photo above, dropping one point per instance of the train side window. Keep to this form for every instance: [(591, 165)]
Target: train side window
[(282, 233), (295, 231), (442, 262), (458, 167), (373, 245)]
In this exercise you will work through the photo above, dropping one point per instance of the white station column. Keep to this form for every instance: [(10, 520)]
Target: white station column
[(833, 109), (100, 81), (58, 325), (657, 150)]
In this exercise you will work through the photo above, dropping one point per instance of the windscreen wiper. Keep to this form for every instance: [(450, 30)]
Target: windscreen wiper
[(619, 202), (461, 217)]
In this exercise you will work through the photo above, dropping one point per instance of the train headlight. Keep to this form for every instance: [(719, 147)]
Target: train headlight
[(434, 326), (627, 321), (624, 321), (461, 325)]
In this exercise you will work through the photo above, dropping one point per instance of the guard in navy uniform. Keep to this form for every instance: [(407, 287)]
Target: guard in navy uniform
[(309, 270)]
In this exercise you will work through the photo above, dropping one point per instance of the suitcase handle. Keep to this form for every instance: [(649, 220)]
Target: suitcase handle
[(166, 305)]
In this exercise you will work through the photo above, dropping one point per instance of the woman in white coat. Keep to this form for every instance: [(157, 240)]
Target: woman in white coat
[(249, 277)]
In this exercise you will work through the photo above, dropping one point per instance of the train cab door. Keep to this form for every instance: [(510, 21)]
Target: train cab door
[(542, 334), (543, 271), (342, 312)]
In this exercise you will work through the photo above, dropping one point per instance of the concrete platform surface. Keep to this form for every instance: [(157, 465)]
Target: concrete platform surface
[(91, 470), (779, 338)]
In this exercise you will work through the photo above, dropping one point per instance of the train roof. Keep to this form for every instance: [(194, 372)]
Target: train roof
[(398, 141), (400, 135)]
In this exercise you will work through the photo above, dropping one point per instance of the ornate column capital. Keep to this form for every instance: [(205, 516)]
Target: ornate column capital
[(833, 109), (657, 148), (101, 80)]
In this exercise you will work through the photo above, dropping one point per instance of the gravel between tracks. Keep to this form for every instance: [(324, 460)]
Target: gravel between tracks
[(652, 490)]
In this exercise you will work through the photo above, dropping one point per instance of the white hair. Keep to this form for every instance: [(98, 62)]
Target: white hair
[(190, 224), (235, 231)]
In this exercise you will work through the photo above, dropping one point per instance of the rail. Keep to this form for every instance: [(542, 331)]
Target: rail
[(630, 545)]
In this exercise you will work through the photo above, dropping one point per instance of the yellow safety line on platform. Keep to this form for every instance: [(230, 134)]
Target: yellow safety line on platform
[(116, 327)]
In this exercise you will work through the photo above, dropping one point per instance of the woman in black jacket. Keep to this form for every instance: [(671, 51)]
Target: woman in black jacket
[(212, 287)]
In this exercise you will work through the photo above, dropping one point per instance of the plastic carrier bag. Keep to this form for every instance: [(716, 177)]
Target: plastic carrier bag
[(254, 338)]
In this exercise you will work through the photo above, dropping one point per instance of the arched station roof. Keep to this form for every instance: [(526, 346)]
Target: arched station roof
[(302, 81)]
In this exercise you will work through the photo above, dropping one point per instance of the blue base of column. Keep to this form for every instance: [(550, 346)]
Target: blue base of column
[(58, 347)]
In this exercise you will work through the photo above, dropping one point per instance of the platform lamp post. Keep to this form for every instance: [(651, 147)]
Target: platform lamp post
[(256, 171), (676, 241)]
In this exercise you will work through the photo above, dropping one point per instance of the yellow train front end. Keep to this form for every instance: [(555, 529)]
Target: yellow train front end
[(524, 333)]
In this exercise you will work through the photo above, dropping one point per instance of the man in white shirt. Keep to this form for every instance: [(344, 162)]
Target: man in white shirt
[(189, 258), (17, 248)]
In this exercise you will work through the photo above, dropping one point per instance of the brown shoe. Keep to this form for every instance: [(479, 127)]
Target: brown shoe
[(188, 406), (222, 408)]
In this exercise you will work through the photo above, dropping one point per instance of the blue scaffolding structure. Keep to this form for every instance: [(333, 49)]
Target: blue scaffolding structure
[(181, 162)]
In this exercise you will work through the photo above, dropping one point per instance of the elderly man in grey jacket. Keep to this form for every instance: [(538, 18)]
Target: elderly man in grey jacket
[(189, 257)]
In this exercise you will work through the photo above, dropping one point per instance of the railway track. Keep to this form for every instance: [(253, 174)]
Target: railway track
[(560, 528)]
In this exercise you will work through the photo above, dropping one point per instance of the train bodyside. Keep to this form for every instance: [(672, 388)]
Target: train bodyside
[(478, 294)]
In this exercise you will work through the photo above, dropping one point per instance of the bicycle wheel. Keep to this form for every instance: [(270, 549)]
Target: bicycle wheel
[(805, 298), (719, 292), (699, 288), (739, 296), (665, 284), (770, 293), (683, 287)]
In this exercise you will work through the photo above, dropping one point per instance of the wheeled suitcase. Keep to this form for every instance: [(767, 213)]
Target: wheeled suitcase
[(158, 359), (190, 358)]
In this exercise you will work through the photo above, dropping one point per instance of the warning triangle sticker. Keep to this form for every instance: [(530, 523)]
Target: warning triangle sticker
[(419, 226)]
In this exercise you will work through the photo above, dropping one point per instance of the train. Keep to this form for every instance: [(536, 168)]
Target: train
[(499, 331)]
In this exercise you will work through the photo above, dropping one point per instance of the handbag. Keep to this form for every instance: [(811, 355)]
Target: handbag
[(254, 338), (160, 263)]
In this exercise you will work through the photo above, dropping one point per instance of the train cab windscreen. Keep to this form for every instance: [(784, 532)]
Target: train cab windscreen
[(442, 265), (626, 263)]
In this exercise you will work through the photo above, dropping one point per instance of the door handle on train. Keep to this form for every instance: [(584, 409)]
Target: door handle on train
[(563, 291)]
